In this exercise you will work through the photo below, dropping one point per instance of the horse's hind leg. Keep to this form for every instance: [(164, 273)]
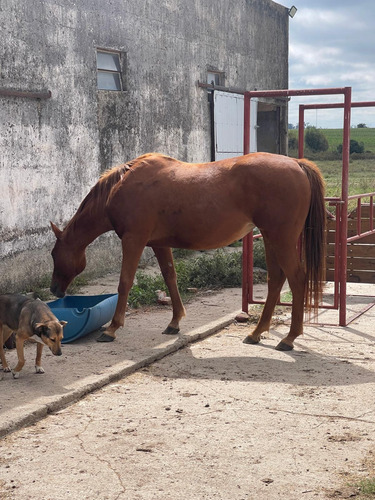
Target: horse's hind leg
[(165, 259), (276, 279), (296, 276)]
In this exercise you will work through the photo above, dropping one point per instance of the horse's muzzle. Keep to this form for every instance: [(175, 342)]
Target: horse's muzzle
[(56, 290)]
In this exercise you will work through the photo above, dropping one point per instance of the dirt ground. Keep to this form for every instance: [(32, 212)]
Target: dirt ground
[(200, 416)]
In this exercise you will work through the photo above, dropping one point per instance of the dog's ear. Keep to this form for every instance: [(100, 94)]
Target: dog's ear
[(63, 323), (41, 328), (56, 230)]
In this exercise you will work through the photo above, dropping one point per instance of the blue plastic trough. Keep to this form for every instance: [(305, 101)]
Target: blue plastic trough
[(84, 314)]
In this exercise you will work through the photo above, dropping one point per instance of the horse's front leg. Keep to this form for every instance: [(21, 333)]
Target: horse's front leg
[(165, 259), (132, 250)]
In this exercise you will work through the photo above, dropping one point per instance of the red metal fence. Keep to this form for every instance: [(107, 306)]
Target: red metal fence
[(340, 203)]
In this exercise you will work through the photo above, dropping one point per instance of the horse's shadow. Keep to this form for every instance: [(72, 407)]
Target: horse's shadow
[(302, 366)]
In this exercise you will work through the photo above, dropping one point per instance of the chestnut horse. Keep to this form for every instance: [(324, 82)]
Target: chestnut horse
[(164, 203)]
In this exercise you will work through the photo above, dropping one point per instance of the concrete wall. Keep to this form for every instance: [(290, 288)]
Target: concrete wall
[(53, 150)]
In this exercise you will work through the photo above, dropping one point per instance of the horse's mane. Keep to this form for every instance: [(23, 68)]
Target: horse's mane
[(98, 194), (109, 178)]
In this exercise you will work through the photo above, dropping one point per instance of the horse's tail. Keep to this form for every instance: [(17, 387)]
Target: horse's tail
[(314, 237)]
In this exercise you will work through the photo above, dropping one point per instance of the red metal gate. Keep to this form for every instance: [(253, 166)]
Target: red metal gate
[(340, 203)]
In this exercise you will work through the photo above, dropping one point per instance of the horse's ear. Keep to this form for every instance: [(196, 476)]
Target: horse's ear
[(56, 230)]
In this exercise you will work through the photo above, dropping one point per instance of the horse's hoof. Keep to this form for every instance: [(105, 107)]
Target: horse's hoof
[(250, 340), (104, 337), (171, 331), (282, 346), (242, 317)]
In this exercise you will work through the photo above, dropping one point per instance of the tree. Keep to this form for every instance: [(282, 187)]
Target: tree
[(316, 140), (361, 125)]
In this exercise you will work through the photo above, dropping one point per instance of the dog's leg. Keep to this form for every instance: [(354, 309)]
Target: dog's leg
[(5, 333), (38, 360), (21, 358)]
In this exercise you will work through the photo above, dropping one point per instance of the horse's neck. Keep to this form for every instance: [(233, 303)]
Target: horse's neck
[(90, 220), (85, 226)]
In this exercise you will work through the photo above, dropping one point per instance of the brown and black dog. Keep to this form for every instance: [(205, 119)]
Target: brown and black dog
[(29, 319)]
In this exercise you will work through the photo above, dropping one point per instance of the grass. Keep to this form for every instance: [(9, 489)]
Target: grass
[(363, 488), (286, 296), (366, 488)]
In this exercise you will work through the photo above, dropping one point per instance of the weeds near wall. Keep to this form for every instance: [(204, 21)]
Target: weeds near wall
[(40, 288), (208, 271)]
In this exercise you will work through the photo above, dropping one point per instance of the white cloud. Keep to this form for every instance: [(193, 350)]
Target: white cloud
[(322, 17), (331, 44), (304, 54), (330, 19)]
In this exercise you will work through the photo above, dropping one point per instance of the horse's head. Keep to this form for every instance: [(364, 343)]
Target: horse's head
[(68, 262)]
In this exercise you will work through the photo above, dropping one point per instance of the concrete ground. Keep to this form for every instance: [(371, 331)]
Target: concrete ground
[(157, 417), (86, 365)]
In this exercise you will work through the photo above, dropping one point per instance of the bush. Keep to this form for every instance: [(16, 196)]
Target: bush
[(316, 140), (355, 147), (144, 290), (259, 255), (219, 270), (325, 156), (181, 253)]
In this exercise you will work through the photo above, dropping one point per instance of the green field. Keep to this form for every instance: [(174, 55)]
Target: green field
[(361, 176), (334, 137), (365, 135), (361, 167)]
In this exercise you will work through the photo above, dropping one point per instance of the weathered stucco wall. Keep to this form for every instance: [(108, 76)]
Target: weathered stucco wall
[(53, 150)]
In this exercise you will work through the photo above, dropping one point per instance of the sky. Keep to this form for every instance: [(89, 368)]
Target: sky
[(332, 44)]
